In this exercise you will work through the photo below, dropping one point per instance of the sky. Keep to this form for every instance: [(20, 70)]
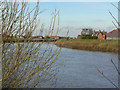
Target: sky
[(64, 0), (77, 15)]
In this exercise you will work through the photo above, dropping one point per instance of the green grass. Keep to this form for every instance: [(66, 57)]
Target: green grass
[(90, 44)]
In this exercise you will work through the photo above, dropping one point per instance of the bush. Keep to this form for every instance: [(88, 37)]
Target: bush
[(89, 37)]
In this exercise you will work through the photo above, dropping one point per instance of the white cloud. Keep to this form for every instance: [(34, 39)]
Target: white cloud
[(64, 0), (78, 0)]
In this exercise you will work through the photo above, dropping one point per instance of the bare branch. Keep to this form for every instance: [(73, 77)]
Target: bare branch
[(115, 6), (114, 18), (115, 67), (107, 78)]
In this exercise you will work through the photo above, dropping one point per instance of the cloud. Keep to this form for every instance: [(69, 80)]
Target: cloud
[(74, 31), (64, 0), (100, 21), (110, 28), (77, 0)]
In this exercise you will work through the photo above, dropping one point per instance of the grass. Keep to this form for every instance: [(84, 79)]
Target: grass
[(90, 44)]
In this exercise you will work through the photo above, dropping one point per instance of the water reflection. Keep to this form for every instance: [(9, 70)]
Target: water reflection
[(72, 69), (80, 69), (29, 64)]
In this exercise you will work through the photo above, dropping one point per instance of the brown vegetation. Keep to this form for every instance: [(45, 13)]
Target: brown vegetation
[(26, 64), (90, 44)]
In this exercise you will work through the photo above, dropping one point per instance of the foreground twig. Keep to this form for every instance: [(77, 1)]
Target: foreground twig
[(107, 78), (25, 64), (115, 67)]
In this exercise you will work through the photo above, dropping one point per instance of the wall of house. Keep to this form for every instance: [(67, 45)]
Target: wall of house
[(86, 31), (79, 37), (113, 38), (56, 37), (113, 35), (100, 36)]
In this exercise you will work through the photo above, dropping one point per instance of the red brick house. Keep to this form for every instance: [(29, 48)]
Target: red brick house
[(54, 37), (102, 35), (114, 34)]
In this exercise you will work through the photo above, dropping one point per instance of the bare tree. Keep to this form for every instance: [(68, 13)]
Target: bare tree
[(25, 64), (117, 25)]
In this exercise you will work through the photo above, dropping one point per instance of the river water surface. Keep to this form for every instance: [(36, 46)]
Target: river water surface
[(79, 69)]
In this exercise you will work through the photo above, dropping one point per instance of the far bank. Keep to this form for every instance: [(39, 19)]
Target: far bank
[(90, 44)]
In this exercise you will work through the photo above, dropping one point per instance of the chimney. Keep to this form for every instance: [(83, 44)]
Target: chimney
[(103, 32), (99, 30)]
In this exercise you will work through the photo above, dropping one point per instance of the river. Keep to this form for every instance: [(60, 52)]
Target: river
[(77, 68)]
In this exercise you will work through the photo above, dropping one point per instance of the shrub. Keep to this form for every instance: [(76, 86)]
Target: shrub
[(89, 37)]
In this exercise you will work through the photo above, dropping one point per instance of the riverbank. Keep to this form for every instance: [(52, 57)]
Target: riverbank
[(90, 44), (28, 40)]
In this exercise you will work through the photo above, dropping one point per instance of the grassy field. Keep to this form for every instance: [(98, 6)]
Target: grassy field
[(90, 44)]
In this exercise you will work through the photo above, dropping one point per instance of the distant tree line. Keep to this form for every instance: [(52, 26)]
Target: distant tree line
[(89, 37)]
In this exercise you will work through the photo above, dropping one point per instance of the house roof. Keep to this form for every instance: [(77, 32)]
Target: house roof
[(115, 30), (114, 33), (103, 33), (53, 36)]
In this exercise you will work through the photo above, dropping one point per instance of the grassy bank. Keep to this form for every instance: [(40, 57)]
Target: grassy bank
[(90, 44), (27, 40)]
